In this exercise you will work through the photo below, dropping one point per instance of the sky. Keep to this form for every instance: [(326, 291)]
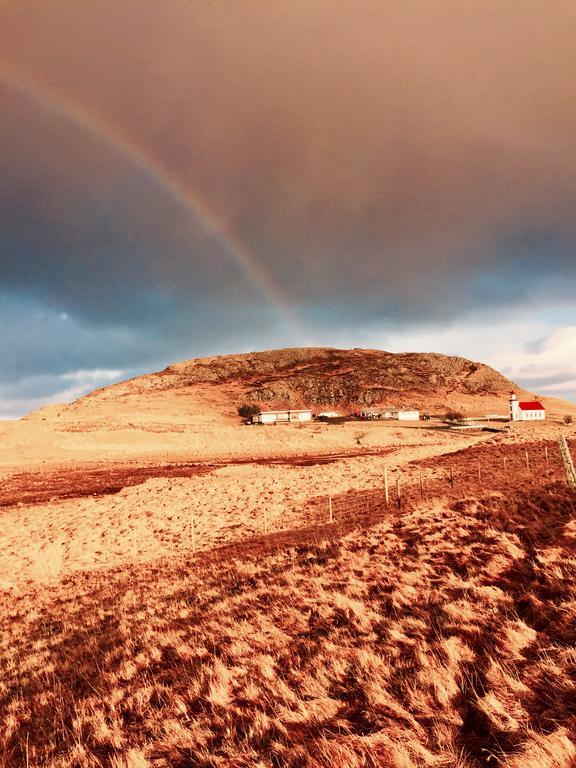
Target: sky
[(181, 179)]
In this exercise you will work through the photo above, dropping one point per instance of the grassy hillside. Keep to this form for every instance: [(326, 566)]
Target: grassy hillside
[(442, 637), (312, 377)]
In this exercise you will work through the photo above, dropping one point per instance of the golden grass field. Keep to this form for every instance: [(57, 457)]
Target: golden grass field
[(437, 632)]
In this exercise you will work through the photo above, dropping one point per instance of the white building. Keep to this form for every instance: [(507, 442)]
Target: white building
[(403, 415), (392, 413), (370, 413), (532, 410), (282, 417)]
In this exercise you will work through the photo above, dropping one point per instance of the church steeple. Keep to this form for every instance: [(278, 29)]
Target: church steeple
[(514, 409)]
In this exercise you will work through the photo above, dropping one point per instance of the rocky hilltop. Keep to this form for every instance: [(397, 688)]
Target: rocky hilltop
[(314, 377), (335, 377)]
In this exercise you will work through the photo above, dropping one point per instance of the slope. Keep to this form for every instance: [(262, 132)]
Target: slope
[(210, 389)]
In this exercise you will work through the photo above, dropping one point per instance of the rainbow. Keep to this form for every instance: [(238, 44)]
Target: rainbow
[(55, 101)]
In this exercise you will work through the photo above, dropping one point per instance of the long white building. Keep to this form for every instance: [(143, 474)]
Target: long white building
[(390, 413), (282, 417), (404, 415)]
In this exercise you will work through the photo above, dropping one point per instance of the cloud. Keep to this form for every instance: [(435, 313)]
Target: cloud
[(523, 345), (35, 392), (381, 153), (547, 367), (390, 165), (38, 338)]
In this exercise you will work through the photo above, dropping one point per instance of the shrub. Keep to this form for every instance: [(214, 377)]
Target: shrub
[(248, 409), (454, 416), (568, 419)]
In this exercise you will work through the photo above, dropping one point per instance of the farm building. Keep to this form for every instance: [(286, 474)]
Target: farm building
[(526, 411), (403, 415), (392, 413), (371, 413), (282, 417)]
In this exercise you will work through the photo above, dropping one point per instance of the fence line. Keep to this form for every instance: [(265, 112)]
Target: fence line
[(405, 492), (192, 532), (417, 489)]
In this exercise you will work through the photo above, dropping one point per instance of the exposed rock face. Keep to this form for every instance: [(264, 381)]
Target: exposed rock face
[(333, 376), (325, 377)]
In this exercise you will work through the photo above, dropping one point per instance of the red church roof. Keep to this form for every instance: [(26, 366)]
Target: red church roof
[(534, 405)]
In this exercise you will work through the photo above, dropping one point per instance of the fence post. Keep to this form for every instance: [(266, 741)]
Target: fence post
[(192, 531), (386, 485), (398, 502), (330, 515), (568, 464), (504, 461), (265, 521), (421, 486), (527, 461)]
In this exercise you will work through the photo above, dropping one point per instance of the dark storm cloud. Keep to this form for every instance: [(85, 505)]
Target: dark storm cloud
[(380, 159), (85, 230), (38, 340)]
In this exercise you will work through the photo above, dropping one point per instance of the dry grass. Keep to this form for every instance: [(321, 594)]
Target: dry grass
[(445, 637), (57, 522)]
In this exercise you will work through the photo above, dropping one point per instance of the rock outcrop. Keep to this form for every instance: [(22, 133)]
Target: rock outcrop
[(320, 377)]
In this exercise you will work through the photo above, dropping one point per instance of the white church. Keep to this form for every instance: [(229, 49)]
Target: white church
[(532, 410)]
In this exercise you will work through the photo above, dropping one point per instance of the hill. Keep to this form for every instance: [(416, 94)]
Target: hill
[(212, 387), (189, 410)]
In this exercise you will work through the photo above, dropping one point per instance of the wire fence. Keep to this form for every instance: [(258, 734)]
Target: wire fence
[(467, 473), (165, 528)]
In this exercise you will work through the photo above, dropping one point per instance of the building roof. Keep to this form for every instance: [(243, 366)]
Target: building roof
[(287, 410), (532, 405)]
